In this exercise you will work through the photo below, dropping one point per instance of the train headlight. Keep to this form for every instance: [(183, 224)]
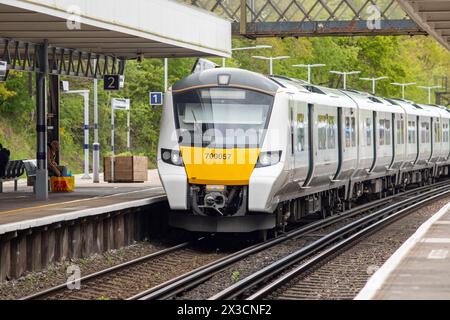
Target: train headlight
[(172, 157), (267, 159)]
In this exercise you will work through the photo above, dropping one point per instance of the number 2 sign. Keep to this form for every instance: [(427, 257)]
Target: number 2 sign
[(111, 82)]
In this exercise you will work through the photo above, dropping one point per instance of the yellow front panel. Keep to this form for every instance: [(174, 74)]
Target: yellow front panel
[(219, 166)]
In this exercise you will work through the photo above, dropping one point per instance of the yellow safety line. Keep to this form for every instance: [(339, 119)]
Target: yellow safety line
[(72, 201)]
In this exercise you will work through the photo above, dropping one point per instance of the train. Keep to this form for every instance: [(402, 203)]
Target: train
[(241, 152)]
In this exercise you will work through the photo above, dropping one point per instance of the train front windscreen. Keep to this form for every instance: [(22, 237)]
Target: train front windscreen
[(222, 117)]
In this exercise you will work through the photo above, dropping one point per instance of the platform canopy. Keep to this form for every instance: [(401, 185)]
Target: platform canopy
[(123, 28), (432, 15)]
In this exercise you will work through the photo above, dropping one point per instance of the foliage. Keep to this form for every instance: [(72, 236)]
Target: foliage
[(419, 59), (235, 276)]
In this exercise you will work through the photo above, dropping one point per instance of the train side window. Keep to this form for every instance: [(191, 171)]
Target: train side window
[(322, 131), (368, 131), (400, 132), (437, 131), (347, 132), (425, 132), (331, 134), (445, 132), (300, 132), (353, 119), (381, 130), (412, 132), (387, 132)]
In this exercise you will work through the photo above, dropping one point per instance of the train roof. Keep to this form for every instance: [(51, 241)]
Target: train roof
[(237, 78), (271, 84), (436, 110), (313, 93)]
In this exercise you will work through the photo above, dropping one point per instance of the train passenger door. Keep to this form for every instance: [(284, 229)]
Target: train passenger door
[(290, 157), (437, 139), (412, 152), (366, 140), (300, 138), (327, 141), (350, 142), (425, 141)]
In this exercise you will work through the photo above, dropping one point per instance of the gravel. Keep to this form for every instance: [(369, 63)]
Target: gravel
[(353, 276), (346, 274), (56, 274)]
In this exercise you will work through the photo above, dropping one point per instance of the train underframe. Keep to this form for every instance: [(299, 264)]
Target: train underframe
[(225, 208)]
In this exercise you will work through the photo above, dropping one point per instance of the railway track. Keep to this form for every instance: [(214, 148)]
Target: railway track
[(370, 211), (150, 277), (262, 283), (132, 276)]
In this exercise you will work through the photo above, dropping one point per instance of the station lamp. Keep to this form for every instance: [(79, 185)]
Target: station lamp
[(374, 82), (309, 66), (403, 85), (271, 61), (429, 91), (345, 74)]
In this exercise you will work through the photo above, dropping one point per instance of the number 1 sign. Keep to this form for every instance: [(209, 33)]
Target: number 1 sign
[(156, 98)]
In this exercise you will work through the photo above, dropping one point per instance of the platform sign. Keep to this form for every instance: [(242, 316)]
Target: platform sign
[(3, 66), (120, 104), (111, 82), (65, 86), (156, 98)]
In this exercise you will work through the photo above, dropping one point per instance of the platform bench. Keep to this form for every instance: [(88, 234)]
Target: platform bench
[(13, 171)]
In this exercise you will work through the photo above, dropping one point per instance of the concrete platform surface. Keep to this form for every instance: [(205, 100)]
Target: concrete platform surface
[(20, 210), (419, 269)]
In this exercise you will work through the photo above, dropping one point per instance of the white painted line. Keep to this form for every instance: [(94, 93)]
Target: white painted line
[(378, 279), (27, 224), (435, 240), (438, 254)]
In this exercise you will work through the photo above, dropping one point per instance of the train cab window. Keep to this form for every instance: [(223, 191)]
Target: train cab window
[(411, 132), (368, 129), (300, 132), (425, 132), (222, 117), (400, 132)]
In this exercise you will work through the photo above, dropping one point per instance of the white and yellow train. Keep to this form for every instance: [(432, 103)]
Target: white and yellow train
[(240, 152)]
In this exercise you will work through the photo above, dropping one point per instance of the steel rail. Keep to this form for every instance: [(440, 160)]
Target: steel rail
[(351, 232), (191, 279), (115, 268)]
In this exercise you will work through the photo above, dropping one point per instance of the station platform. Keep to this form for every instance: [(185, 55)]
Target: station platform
[(419, 269), (20, 210)]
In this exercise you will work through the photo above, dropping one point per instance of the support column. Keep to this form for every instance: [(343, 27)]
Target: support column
[(86, 135), (53, 111), (96, 146), (243, 21), (41, 127)]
